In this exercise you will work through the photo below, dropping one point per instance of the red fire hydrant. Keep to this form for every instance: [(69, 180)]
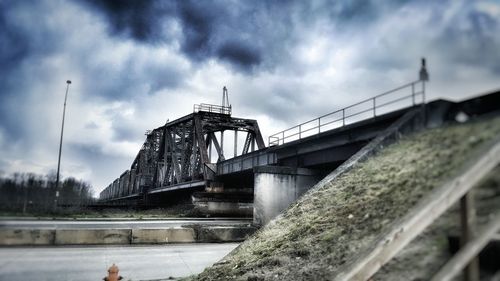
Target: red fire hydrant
[(113, 274)]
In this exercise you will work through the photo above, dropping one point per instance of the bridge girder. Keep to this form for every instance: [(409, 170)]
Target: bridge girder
[(181, 152)]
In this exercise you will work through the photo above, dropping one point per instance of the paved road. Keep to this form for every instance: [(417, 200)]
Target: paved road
[(54, 224), (91, 263)]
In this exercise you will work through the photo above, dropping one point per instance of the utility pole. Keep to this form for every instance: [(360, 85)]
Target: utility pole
[(60, 144)]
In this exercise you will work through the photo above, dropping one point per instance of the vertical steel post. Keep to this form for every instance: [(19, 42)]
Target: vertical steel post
[(467, 225), (319, 125), (222, 143), (235, 143), (343, 117), (60, 144), (209, 149), (413, 93), (374, 110), (423, 91)]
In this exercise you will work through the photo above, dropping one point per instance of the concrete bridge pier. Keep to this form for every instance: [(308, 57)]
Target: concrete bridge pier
[(276, 187)]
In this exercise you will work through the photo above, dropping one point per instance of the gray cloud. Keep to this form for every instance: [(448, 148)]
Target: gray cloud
[(239, 33), (473, 34), (239, 54), (140, 20)]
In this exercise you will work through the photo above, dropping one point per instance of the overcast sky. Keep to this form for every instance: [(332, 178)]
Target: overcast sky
[(135, 64)]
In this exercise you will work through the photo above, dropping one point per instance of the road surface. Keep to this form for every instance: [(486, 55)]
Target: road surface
[(91, 263), (65, 224)]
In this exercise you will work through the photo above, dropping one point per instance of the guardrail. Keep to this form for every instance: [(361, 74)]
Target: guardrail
[(362, 110), (212, 108), (246, 162)]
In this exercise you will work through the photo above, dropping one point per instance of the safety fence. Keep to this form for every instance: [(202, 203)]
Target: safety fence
[(410, 94)]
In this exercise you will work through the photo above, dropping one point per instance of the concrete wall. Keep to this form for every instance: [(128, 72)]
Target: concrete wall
[(125, 236), (92, 236), (217, 208), (11, 237), (275, 188), (163, 236)]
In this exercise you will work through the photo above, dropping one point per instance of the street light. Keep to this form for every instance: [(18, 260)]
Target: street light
[(60, 143)]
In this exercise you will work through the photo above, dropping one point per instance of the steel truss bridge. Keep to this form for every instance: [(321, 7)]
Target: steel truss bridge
[(188, 153), (179, 154)]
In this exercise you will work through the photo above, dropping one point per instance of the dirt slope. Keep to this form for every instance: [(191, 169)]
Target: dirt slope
[(333, 223)]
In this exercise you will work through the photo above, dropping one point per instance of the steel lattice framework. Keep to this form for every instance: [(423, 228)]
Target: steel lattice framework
[(180, 152)]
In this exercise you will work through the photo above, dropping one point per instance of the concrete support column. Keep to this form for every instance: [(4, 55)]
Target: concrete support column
[(275, 188)]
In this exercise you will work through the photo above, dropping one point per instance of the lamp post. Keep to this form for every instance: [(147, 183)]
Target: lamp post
[(60, 143)]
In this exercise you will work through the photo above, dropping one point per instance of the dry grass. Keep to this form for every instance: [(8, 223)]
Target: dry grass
[(330, 224)]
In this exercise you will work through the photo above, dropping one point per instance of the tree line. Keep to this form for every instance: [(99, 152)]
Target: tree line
[(28, 192)]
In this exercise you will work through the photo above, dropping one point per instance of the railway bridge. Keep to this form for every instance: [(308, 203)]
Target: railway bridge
[(216, 158), (224, 166)]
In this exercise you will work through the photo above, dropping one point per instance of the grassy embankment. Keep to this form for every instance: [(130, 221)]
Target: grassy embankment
[(333, 223), (427, 253)]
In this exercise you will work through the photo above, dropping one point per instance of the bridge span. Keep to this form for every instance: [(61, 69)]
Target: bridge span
[(189, 157), (190, 153)]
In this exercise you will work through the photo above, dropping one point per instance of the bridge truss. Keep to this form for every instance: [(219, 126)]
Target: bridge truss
[(179, 154)]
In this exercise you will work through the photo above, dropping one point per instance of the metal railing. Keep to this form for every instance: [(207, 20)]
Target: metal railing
[(212, 108), (246, 161), (380, 104)]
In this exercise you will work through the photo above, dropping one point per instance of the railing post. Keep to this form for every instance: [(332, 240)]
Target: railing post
[(343, 117), (319, 125), (300, 132), (423, 91), (467, 227), (374, 106), (283, 137), (413, 93)]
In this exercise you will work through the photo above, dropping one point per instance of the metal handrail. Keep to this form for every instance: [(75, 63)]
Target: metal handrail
[(282, 136), (212, 108)]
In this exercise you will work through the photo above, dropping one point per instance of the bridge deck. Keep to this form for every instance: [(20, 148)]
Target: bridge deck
[(327, 147)]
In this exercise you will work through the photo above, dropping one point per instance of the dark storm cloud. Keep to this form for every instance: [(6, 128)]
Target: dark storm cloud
[(10, 37), (22, 45), (18, 39), (245, 34), (198, 23), (239, 54), (35, 48), (210, 29), (140, 20)]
